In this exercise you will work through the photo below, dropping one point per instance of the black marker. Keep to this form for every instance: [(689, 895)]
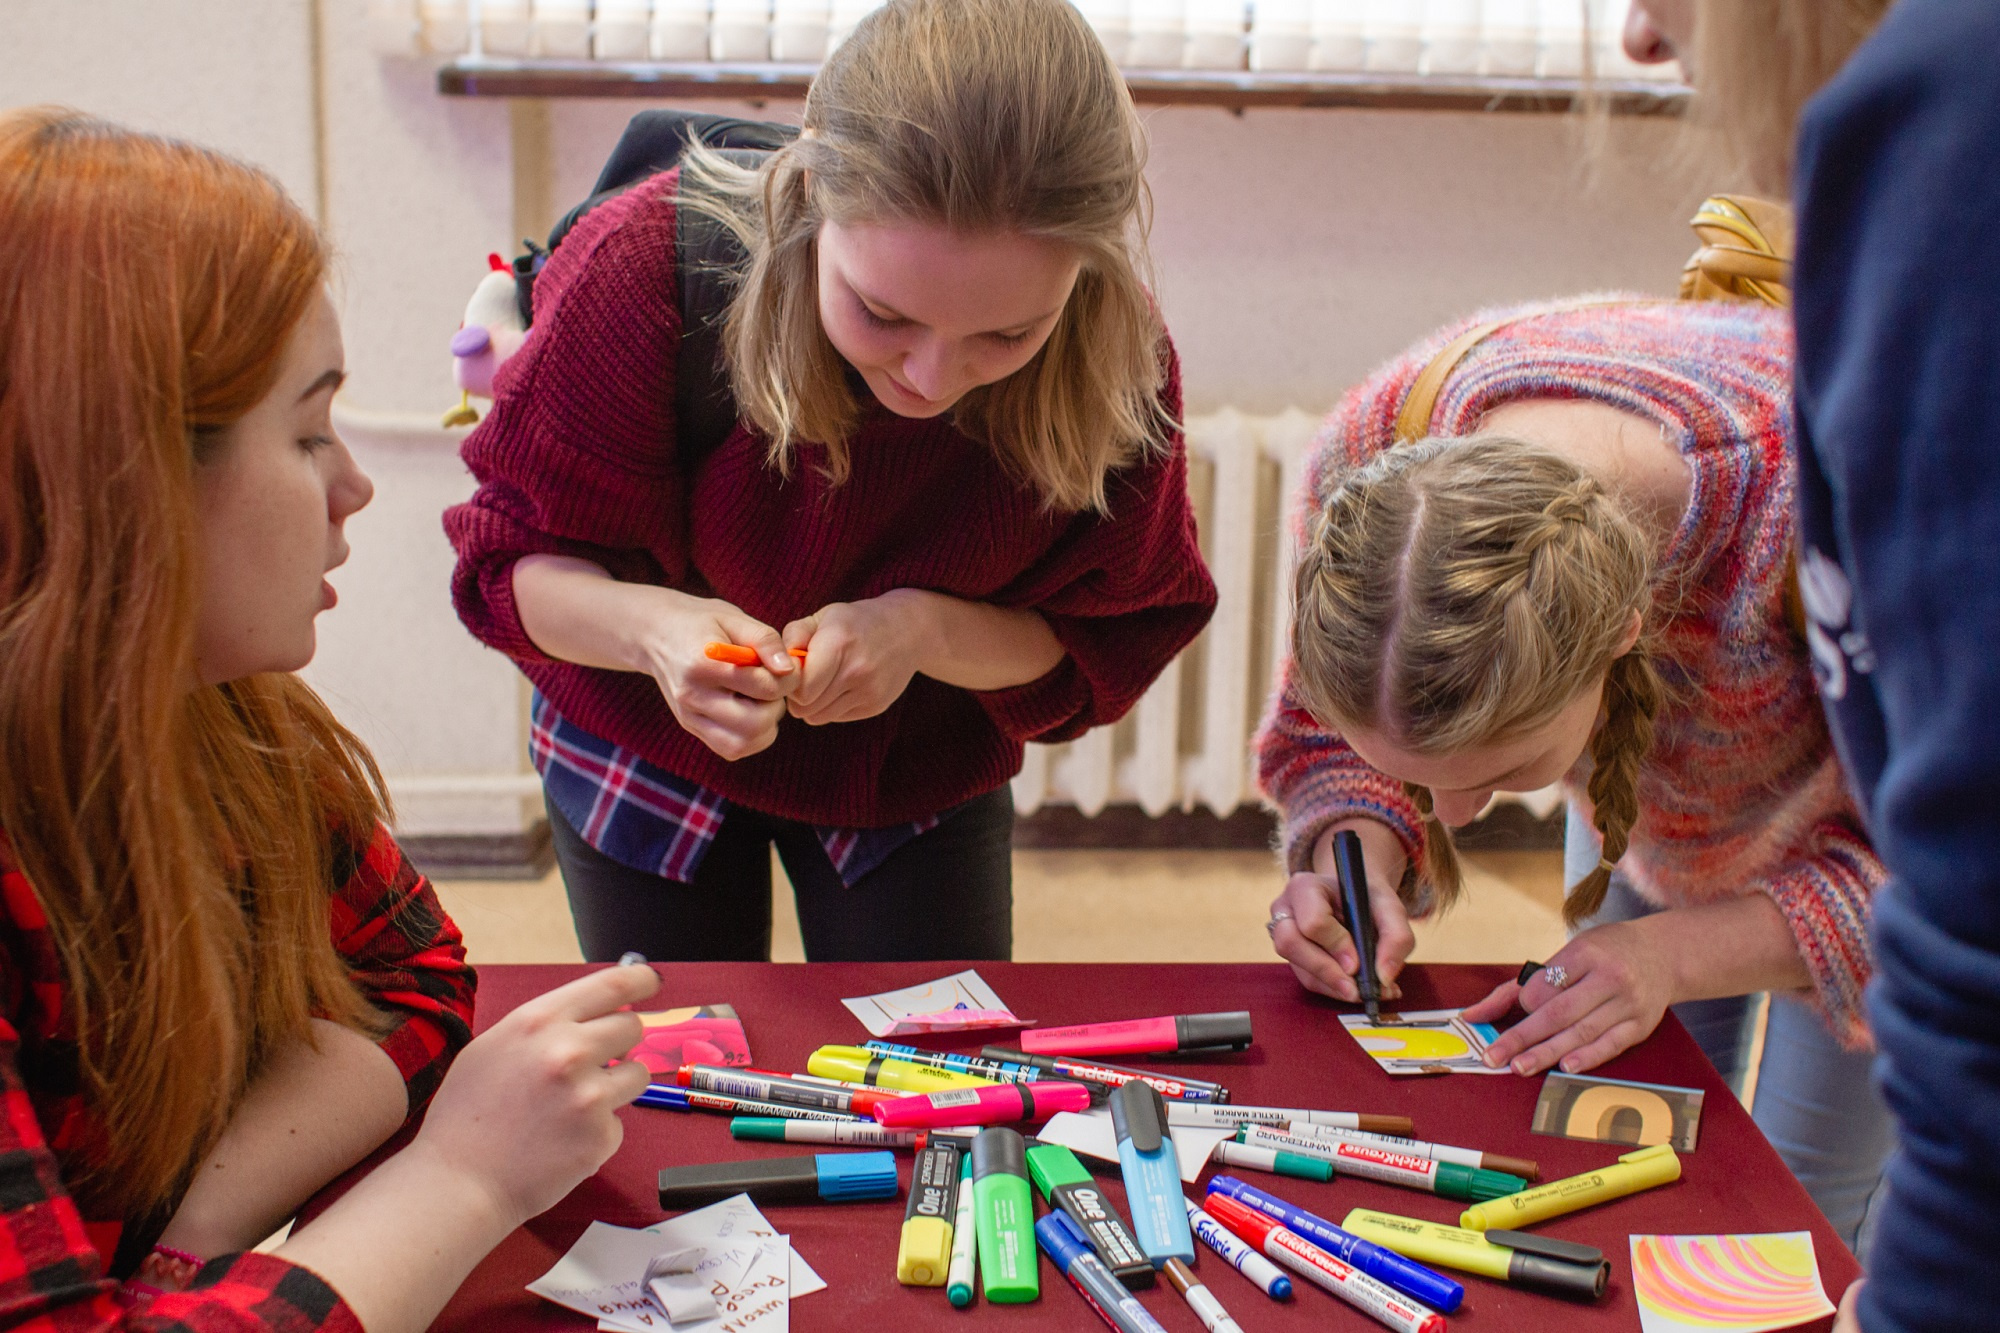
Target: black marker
[(1353, 874)]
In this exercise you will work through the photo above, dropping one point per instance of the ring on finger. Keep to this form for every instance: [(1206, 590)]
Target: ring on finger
[(1557, 975), (1271, 926)]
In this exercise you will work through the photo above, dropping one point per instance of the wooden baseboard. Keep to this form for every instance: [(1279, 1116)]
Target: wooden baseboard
[(530, 854)]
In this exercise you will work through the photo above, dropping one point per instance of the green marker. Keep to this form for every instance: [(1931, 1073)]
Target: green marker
[(1004, 1217)]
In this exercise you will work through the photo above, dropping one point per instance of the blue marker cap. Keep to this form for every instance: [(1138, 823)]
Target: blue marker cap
[(855, 1175), (1059, 1237), (659, 1095)]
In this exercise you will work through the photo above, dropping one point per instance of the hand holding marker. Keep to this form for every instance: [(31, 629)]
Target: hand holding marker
[(737, 654), (1352, 872)]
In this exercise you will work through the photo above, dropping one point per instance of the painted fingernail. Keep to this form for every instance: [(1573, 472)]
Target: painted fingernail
[(631, 958)]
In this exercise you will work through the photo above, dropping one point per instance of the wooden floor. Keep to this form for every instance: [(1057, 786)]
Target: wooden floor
[(1073, 906)]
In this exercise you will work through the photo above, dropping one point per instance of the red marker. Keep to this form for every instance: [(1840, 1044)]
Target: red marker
[(1309, 1261), (1001, 1104), (737, 655), (1136, 1036)]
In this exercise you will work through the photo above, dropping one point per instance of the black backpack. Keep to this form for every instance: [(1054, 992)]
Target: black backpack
[(708, 254)]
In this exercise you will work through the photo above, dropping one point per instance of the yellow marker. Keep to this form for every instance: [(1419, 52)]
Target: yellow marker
[(1561, 1268), (851, 1064), (923, 1255), (1635, 1171)]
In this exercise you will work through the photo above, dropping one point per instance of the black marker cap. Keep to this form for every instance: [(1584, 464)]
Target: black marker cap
[(1138, 1113), (1197, 1031), (999, 1151), (1558, 1267)]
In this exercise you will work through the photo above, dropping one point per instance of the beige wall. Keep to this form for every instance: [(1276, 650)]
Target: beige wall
[(1294, 249)]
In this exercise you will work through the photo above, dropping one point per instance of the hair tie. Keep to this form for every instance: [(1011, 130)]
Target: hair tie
[(1606, 866)]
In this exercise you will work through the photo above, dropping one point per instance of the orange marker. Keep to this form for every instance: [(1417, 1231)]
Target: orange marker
[(737, 655)]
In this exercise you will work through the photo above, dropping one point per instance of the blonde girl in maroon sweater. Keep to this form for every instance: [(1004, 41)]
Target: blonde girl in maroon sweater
[(956, 485)]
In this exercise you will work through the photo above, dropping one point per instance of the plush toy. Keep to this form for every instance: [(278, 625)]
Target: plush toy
[(491, 332)]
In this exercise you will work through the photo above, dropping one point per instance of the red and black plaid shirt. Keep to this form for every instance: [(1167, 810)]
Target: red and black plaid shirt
[(408, 959)]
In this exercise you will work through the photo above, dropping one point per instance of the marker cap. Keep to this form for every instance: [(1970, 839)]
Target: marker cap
[(925, 1252), (1559, 1267), (769, 1129), (998, 1151), (1058, 1235), (1051, 1164), (1138, 1114), (856, 1175), (1195, 1031), (1475, 1184)]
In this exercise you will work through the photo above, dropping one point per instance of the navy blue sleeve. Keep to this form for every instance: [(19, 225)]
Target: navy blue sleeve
[(1898, 306)]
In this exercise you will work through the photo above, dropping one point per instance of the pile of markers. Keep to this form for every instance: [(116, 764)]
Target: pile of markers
[(970, 1213)]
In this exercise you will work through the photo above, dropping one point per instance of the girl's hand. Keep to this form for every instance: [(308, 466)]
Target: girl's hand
[(860, 655), (1310, 933), (733, 710), (1618, 986), (529, 1109)]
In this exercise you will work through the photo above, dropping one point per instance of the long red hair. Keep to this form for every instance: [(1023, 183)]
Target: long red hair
[(181, 839)]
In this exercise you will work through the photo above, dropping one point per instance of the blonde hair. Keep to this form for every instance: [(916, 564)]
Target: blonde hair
[(1455, 593), (978, 116), (1756, 63)]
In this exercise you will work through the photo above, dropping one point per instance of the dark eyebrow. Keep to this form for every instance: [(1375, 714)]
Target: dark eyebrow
[(893, 313), (330, 382)]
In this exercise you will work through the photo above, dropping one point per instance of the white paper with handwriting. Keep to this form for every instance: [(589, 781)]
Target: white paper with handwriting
[(753, 1271)]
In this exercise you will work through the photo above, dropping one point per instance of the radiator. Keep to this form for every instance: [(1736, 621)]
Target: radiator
[(1187, 743)]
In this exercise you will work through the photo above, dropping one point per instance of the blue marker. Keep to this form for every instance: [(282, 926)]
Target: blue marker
[(1152, 1173), (820, 1178), (1384, 1265), (1238, 1255), (1070, 1252)]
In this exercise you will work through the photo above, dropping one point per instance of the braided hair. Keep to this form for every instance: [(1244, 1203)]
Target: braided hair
[(1454, 593)]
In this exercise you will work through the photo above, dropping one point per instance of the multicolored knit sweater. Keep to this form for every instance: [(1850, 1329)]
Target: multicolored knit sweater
[(1741, 792)]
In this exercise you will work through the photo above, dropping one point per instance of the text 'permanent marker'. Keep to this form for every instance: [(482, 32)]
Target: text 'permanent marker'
[(1144, 1036), (1321, 1269), (819, 1178)]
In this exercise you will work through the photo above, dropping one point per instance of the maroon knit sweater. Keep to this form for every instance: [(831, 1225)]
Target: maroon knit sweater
[(577, 458)]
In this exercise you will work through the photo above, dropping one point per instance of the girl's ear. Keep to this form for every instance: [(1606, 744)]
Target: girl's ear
[(1631, 637)]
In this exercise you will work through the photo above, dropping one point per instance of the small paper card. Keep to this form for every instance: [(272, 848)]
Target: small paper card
[(957, 1003), (1424, 1041), (709, 1034), (1727, 1284), (1611, 1110), (1093, 1135)]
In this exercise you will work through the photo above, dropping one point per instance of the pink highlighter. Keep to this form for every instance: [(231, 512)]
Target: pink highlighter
[(1144, 1036), (1001, 1104)]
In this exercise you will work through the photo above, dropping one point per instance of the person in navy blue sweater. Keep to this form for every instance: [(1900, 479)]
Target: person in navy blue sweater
[(1898, 304)]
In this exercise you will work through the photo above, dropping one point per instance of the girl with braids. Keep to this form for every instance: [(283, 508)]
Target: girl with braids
[(1579, 574)]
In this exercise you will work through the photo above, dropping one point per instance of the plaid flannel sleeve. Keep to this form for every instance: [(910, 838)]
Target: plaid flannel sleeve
[(52, 1277), (408, 959)]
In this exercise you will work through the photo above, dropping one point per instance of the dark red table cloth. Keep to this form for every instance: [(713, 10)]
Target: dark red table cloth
[(1732, 1182)]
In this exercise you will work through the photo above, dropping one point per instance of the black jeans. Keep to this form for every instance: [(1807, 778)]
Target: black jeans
[(946, 894)]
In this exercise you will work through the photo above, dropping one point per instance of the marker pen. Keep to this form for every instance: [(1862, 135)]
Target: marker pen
[(1144, 1036), (964, 1254), (1093, 1281), (819, 1178), (1557, 1267), (995, 1104), (979, 1066), (1437, 1152), (1073, 1191), (851, 1064), (923, 1252), (1238, 1255), (1004, 1216), (1278, 1163), (766, 1086), (1321, 1269), (661, 1097), (1633, 1172), (858, 1134), (1212, 1116), (737, 654), (1206, 1308), (1352, 873), (1115, 1076), (1152, 1173), (1384, 1265), (1446, 1179)]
